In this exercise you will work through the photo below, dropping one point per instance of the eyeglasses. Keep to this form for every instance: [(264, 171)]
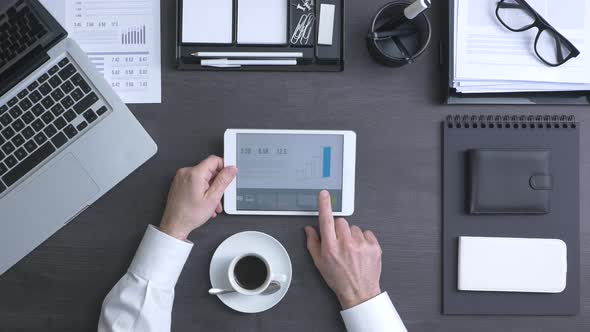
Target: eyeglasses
[(551, 47)]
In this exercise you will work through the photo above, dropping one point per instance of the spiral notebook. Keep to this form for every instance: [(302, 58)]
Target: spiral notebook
[(560, 136)]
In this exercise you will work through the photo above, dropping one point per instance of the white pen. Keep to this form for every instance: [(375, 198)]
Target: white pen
[(416, 8), (411, 12), (248, 54), (225, 63)]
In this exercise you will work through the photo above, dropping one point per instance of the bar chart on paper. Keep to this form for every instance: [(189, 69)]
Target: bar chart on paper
[(133, 36), (121, 38)]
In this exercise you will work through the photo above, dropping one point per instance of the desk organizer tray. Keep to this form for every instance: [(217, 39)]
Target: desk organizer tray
[(246, 30), (560, 136)]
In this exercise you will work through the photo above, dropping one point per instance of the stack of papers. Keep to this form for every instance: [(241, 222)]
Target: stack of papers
[(488, 58)]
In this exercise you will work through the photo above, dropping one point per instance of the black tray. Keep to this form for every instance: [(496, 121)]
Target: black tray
[(309, 62)]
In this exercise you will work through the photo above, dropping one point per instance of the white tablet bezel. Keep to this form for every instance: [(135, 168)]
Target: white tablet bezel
[(348, 171)]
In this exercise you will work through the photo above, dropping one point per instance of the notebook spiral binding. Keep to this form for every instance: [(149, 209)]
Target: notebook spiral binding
[(511, 121)]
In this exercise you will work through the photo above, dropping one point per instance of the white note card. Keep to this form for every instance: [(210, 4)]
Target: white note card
[(262, 22), (496, 264), (326, 25), (207, 21)]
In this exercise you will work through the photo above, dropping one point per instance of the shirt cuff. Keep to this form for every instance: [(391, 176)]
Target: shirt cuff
[(377, 314), (160, 258)]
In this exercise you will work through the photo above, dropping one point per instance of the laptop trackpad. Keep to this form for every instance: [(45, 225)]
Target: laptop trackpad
[(58, 193), (41, 206)]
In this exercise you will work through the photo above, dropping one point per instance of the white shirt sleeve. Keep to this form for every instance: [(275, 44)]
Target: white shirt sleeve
[(142, 299), (375, 315)]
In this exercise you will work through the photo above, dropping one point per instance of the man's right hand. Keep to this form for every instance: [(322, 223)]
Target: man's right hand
[(348, 258), (195, 196)]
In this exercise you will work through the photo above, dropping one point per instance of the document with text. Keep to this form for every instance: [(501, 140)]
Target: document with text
[(121, 38), (490, 58)]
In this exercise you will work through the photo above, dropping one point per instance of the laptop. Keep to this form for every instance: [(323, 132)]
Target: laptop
[(66, 138)]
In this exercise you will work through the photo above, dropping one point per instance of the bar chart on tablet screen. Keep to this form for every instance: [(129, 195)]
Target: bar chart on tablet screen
[(121, 38), (285, 172), (290, 161)]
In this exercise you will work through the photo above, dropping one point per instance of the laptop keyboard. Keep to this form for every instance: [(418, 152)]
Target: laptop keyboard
[(44, 117), (19, 30)]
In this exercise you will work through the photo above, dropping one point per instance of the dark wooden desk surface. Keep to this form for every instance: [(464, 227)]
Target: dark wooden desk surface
[(396, 113)]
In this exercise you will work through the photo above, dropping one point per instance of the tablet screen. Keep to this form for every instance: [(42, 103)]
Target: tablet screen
[(285, 172)]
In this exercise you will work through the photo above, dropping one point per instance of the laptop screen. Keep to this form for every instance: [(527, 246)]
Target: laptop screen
[(27, 32)]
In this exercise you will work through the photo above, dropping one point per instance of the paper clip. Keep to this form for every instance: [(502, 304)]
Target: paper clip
[(303, 29), (308, 29), (299, 29)]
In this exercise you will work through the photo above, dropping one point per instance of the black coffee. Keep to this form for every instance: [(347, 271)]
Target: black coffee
[(250, 272)]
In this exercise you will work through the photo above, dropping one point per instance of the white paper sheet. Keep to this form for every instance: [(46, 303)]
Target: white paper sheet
[(207, 21), (122, 38), (505, 61), (262, 21)]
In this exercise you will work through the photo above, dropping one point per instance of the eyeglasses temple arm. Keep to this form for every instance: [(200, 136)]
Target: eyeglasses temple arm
[(559, 49), (509, 5)]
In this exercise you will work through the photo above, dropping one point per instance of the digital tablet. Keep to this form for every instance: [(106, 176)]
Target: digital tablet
[(281, 172)]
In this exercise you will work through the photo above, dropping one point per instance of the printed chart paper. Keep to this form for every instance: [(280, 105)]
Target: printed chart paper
[(122, 38)]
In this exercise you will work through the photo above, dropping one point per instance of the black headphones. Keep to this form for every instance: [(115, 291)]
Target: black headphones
[(395, 41)]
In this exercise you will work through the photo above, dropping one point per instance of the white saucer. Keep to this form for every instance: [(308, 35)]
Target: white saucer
[(250, 242)]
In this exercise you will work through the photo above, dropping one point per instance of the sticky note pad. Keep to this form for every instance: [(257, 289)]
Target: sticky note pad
[(207, 21), (326, 24), (262, 21), (497, 264)]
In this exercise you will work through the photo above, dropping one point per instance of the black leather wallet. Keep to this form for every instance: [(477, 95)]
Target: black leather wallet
[(510, 181)]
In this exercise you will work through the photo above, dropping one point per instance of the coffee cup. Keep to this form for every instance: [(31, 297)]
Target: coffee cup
[(252, 274)]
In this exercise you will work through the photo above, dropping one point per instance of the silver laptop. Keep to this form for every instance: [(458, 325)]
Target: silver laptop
[(66, 138)]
